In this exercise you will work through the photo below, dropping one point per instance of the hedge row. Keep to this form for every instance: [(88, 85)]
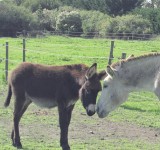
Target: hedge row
[(67, 19)]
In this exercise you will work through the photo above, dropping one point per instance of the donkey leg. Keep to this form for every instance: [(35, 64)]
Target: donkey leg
[(157, 86), (16, 118), (64, 121), (20, 106), (25, 106)]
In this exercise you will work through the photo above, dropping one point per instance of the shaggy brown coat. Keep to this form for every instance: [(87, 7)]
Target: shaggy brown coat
[(51, 86)]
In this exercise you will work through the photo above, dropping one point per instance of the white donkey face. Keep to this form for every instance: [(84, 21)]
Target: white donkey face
[(113, 94)]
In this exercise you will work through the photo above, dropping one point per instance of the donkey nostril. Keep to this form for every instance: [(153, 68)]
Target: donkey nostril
[(91, 109), (90, 113)]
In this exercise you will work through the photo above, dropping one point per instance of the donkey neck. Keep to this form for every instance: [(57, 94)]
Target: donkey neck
[(140, 73)]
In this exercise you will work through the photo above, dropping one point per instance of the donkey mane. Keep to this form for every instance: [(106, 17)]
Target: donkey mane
[(126, 61)]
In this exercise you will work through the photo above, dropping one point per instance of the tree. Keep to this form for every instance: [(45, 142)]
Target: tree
[(86, 4), (34, 5), (18, 2), (120, 7), (152, 4), (153, 15), (46, 19), (157, 3), (14, 18), (69, 22)]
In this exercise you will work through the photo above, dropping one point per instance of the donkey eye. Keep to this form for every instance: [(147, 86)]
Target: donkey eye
[(105, 86)]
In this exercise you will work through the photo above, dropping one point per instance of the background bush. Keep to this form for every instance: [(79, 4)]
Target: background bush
[(69, 22), (93, 22), (129, 25), (34, 5), (46, 19), (53, 15), (14, 18), (153, 15)]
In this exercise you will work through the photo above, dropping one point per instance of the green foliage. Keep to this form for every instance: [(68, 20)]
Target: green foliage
[(34, 5), (69, 21), (153, 15), (120, 7), (129, 24), (86, 4), (66, 8), (18, 2), (152, 4), (46, 19), (14, 18), (112, 7), (93, 22), (53, 15)]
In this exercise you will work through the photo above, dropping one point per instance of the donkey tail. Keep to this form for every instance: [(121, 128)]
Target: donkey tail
[(8, 99)]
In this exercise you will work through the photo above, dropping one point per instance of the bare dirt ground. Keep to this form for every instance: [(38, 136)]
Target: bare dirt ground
[(84, 127), (81, 127)]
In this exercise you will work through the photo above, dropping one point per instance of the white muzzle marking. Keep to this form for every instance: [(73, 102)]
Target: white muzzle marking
[(91, 107)]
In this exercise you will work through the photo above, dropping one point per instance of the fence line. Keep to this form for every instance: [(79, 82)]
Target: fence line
[(109, 46), (74, 56), (15, 48), (61, 50), (70, 45), (133, 50), (24, 50), (56, 50), (127, 36), (7, 60)]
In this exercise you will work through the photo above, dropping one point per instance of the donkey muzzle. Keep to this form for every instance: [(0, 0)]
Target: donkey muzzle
[(91, 109)]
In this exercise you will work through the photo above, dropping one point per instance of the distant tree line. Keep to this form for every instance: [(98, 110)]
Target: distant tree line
[(80, 17), (111, 7)]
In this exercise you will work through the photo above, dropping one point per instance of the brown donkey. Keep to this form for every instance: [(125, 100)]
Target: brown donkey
[(51, 86)]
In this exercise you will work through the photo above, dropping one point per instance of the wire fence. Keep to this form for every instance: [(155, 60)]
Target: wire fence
[(43, 49), (125, 36), (59, 52), (56, 53)]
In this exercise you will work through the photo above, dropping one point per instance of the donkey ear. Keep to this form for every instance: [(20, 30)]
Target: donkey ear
[(91, 71), (111, 71), (102, 75)]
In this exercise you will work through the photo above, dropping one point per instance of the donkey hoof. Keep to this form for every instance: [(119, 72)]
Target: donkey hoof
[(66, 147), (17, 145)]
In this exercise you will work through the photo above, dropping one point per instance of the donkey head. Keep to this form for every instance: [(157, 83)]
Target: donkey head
[(113, 94), (90, 88)]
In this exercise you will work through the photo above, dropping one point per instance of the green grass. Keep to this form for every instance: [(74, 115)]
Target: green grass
[(142, 109)]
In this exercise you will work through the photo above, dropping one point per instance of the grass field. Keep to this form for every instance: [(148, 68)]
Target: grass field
[(135, 125)]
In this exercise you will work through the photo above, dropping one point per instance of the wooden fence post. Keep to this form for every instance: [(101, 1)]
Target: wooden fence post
[(123, 56), (24, 50), (6, 62), (111, 53)]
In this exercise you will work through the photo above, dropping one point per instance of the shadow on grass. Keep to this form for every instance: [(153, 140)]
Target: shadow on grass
[(157, 111)]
